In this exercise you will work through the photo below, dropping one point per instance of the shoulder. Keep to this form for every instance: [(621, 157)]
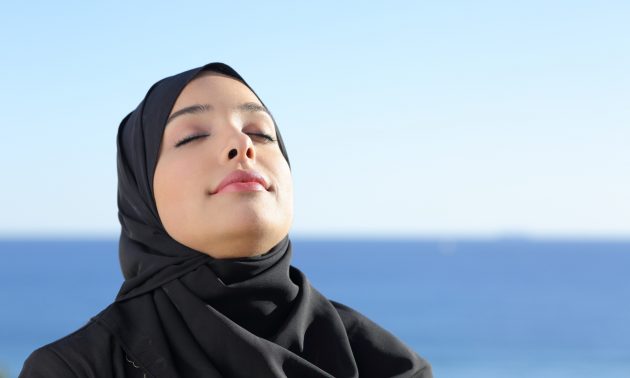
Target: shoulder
[(46, 362), (87, 352), (377, 350)]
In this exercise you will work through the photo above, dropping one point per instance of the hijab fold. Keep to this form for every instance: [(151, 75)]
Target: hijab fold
[(182, 313)]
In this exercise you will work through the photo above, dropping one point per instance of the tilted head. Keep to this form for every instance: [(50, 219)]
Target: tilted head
[(190, 133), (219, 130)]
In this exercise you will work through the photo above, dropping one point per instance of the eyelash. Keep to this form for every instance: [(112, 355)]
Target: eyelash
[(268, 138), (189, 139)]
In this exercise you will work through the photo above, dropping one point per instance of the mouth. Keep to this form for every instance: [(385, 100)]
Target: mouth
[(242, 181)]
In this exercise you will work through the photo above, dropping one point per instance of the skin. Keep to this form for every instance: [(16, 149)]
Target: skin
[(225, 224)]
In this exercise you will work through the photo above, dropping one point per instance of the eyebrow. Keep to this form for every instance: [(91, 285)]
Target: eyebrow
[(252, 107), (249, 107), (193, 109)]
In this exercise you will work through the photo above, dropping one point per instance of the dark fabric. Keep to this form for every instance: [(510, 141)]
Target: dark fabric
[(92, 351), (181, 313)]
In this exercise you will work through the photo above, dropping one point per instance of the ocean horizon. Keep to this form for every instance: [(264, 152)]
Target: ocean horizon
[(508, 307)]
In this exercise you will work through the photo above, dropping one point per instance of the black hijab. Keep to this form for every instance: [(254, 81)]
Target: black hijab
[(182, 313)]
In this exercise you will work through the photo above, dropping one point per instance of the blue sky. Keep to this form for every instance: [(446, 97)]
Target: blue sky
[(419, 118)]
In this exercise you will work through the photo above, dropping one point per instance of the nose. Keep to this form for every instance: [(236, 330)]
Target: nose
[(239, 147)]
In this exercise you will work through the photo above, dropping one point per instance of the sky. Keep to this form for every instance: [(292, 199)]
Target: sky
[(401, 118)]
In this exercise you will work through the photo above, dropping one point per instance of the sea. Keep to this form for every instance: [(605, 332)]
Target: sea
[(506, 307)]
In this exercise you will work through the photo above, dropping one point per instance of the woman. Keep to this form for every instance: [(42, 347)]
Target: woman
[(205, 203)]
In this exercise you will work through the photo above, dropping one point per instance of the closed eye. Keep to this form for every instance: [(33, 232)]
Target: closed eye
[(266, 138), (190, 138)]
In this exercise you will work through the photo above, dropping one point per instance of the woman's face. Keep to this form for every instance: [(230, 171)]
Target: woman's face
[(242, 219)]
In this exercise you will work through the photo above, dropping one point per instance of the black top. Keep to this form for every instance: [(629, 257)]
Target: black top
[(358, 348), (182, 313)]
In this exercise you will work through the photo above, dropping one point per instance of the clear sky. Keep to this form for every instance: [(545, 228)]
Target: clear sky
[(419, 118)]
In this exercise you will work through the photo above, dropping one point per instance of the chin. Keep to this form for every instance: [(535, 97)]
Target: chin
[(250, 229), (239, 243), (250, 217)]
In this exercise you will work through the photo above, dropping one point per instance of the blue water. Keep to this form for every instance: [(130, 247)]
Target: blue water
[(503, 308)]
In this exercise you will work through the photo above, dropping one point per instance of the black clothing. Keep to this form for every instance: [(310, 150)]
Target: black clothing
[(92, 351), (181, 313)]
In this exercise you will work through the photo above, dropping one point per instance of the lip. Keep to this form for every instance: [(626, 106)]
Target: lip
[(240, 176)]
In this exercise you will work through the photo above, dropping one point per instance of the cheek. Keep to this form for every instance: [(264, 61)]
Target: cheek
[(285, 184), (285, 196), (175, 185)]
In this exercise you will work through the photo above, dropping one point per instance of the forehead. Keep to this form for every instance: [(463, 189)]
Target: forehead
[(216, 89)]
